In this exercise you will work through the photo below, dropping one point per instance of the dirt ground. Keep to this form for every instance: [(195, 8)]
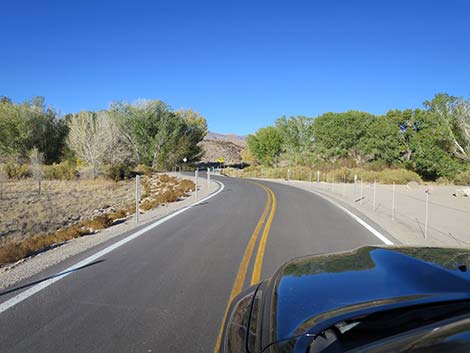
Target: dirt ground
[(23, 212)]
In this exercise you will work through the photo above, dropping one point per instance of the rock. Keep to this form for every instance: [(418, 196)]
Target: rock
[(465, 192), (413, 185)]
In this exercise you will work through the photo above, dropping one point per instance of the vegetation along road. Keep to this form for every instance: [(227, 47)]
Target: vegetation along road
[(167, 290)]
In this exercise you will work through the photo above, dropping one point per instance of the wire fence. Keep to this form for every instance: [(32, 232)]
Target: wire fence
[(430, 215)]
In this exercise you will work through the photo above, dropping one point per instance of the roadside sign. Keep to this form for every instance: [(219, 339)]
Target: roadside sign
[(220, 160)]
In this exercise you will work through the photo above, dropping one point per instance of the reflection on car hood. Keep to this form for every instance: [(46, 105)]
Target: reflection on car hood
[(315, 289)]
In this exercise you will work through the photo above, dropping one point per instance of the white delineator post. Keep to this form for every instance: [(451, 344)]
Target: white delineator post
[(393, 202), (208, 176), (355, 182), (196, 177), (137, 198), (318, 176), (426, 214)]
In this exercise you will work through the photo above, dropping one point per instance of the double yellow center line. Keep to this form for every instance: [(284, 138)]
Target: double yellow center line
[(271, 203)]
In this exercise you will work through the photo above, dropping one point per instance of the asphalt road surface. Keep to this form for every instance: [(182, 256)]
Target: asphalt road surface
[(167, 290)]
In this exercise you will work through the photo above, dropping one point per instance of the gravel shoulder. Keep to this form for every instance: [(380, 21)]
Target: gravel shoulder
[(448, 215), (23, 269)]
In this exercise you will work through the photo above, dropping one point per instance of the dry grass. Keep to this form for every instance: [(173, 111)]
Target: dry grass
[(385, 176), (30, 223)]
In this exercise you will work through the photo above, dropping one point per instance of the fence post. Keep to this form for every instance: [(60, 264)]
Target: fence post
[(137, 198), (196, 177), (362, 191), (375, 191), (426, 214), (393, 202)]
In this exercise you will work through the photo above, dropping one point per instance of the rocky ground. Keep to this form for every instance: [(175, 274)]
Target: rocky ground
[(215, 149), (23, 212), (62, 204), (226, 146)]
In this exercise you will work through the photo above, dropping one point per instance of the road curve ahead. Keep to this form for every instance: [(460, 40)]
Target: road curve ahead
[(167, 290)]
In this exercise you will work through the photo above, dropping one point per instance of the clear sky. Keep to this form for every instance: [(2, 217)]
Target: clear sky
[(241, 64)]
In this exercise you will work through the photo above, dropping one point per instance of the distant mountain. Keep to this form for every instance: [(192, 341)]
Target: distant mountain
[(227, 146), (236, 139)]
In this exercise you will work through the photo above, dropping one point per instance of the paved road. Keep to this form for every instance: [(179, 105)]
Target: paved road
[(167, 290)]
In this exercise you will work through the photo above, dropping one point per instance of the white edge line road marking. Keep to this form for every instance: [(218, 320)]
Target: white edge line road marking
[(38, 287), (371, 229)]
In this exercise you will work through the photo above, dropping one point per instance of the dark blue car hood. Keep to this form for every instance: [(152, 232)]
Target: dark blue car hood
[(315, 290)]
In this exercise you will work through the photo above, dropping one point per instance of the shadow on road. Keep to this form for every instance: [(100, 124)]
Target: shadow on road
[(50, 277)]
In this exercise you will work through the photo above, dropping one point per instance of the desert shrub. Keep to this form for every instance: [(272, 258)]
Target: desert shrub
[(376, 166), (99, 222), (186, 185), (443, 181), (143, 169), (386, 176), (15, 251), (165, 178), (462, 178), (398, 176), (118, 171), (17, 171), (66, 170), (339, 175)]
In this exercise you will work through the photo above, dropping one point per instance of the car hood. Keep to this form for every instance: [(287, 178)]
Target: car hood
[(316, 291)]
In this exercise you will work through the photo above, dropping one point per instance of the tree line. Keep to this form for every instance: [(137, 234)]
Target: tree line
[(433, 141), (147, 133)]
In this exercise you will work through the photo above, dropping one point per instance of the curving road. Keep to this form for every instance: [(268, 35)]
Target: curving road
[(167, 290)]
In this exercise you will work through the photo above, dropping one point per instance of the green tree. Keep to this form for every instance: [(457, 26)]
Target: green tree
[(158, 136), (265, 145), (297, 138), (453, 114), (339, 135), (383, 141), (29, 125)]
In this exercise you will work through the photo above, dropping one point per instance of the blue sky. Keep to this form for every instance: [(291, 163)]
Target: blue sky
[(241, 64)]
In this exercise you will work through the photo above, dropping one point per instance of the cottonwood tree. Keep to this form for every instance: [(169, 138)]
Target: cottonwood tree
[(297, 138), (339, 135), (454, 114), (265, 145), (96, 138), (158, 136), (27, 125), (36, 159)]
